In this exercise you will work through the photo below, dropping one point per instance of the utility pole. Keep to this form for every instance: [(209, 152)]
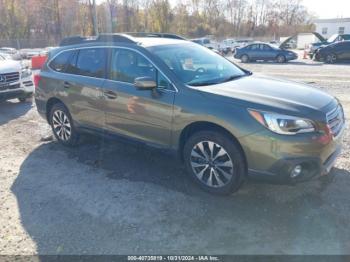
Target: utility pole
[(95, 17)]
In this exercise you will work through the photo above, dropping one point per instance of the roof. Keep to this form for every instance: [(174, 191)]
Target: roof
[(333, 20), (140, 39), (153, 41)]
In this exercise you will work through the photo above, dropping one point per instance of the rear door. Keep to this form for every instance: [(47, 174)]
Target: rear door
[(85, 75), (143, 114)]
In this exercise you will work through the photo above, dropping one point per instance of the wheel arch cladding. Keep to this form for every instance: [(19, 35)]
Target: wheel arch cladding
[(50, 103), (195, 127)]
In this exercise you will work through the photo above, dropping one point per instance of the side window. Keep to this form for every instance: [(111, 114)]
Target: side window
[(71, 67), (126, 65), (91, 62), (162, 82), (59, 63), (254, 47), (266, 47)]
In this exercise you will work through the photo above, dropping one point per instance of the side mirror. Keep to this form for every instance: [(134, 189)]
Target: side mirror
[(145, 83)]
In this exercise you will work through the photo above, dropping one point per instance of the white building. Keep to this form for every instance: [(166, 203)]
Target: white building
[(328, 27)]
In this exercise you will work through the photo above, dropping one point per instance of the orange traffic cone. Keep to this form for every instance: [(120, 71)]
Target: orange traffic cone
[(305, 54)]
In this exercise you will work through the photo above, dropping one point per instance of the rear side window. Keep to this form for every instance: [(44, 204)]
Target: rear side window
[(90, 62), (59, 62)]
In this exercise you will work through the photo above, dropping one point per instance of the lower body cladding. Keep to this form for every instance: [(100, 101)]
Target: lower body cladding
[(21, 89), (290, 159)]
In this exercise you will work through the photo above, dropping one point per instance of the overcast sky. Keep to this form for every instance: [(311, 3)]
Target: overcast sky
[(329, 8), (321, 8)]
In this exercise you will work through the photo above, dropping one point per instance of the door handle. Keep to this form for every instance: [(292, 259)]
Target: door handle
[(110, 94), (66, 84)]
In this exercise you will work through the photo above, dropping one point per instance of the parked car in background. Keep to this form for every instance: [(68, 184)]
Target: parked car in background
[(15, 80), (333, 53), (242, 43), (204, 41), (222, 121), (8, 50), (265, 52), (29, 53), (5, 56), (333, 39), (11, 52)]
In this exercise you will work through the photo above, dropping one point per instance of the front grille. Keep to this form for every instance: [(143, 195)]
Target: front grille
[(9, 87), (336, 120), (9, 78)]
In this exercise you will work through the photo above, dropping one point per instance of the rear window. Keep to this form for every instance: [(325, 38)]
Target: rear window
[(59, 62)]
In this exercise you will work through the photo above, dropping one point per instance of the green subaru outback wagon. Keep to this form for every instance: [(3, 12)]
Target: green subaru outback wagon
[(224, 122)]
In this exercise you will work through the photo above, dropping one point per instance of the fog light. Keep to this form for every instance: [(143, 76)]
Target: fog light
[(296, 171)]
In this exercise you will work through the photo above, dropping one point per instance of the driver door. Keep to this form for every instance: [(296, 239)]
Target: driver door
[(142, 114)]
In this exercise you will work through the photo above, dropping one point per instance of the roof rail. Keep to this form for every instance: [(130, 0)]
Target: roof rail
[(73, 40), (151, 34), (115, 38)]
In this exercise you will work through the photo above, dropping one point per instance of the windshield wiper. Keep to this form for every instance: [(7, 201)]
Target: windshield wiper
[(203, 83), (234, 77)]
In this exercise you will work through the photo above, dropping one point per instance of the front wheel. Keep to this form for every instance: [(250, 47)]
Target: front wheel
[(331, 58), (281, 59), (62, 125), (215, 162)]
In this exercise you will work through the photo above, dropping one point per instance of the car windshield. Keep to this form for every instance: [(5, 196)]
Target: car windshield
[(197, 66), (332, 38)]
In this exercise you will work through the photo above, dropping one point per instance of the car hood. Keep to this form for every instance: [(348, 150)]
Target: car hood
[(268, 93), (9, 66)]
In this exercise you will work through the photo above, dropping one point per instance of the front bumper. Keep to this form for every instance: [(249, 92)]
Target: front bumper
[(276, 156), (20, 89)]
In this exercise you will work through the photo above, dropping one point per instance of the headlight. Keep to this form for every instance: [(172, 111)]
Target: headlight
[(26, 73), (283, 124)]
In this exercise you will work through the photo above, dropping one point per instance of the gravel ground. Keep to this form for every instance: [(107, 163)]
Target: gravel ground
[(109, 198)]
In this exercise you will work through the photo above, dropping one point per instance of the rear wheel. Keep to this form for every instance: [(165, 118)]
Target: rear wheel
[(281, 59), (331, 58), (215, 162), (245, 58), (62, 125)]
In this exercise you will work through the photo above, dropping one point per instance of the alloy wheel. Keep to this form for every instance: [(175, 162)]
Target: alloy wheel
[(280, 59), (331, 58), (211, 164), (61, 125)]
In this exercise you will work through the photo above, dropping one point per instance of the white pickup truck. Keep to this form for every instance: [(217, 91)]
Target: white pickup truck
[(16, 81)]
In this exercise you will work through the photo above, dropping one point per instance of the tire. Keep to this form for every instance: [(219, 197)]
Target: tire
[(316, 57), (26, 98), (63, 126), (219, 171), (22, 99), (244, 58), (281, 59), (331, 58)]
